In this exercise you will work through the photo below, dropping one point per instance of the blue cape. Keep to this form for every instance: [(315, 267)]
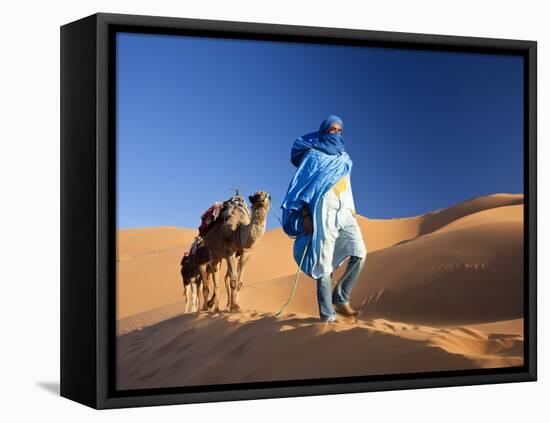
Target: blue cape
[(316, 174)]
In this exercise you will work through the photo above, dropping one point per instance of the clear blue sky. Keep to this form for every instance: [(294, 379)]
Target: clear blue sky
[(197, 116)]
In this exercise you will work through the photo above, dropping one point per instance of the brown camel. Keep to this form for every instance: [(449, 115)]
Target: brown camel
[(192, 278), (235, 235)]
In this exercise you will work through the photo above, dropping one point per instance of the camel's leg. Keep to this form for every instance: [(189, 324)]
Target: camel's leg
[(186, 294), (203, 269), (216, 296), (213, 304), (194, 301), (233, 272), (227, 279), (199, 290), (243, 260), (242, 263), (205, 292)]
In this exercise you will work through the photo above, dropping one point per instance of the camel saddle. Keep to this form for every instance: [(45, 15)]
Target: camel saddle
[(197, 242), (234, 203), (225, 209)]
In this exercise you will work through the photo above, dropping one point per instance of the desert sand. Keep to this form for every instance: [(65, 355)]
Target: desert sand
[(439, 291)]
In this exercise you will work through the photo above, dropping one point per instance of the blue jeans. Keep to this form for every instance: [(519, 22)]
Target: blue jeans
[(326, 296)]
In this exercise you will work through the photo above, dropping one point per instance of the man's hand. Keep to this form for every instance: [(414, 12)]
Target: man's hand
[(308, 223)]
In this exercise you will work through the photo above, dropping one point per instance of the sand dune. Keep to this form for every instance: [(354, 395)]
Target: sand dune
[(443, 290), (383, 233), (438, 219), (251, 346), (132, 243), (148, 263), (470, 275)]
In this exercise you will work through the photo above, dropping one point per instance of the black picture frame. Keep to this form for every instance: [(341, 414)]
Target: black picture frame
[(88, 166)]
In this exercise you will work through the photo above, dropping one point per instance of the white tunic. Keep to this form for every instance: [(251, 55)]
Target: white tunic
[(339, 233)]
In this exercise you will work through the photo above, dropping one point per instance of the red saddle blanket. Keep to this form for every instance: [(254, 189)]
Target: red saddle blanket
[(208, 217)]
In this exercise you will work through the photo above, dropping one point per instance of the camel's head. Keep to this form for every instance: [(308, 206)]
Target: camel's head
[(260, 198)]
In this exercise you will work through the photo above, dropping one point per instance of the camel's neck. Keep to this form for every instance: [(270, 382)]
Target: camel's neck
[(256, 227)]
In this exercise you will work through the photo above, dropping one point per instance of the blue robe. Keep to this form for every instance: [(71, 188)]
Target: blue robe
[(317, 173)]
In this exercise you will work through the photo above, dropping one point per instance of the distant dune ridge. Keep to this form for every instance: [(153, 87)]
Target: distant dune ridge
[(440, 291)]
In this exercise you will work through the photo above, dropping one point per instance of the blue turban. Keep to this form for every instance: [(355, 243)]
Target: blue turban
[(332, 144)]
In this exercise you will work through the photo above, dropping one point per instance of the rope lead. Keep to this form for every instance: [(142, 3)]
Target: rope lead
[(294, 284), (297, 273)]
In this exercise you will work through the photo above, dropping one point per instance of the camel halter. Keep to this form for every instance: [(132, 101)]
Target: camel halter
[(297, 273)]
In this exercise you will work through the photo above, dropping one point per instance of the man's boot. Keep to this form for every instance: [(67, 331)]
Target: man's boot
[(345, 309)]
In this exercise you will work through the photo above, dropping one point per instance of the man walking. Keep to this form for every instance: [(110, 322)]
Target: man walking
[(319, 211)]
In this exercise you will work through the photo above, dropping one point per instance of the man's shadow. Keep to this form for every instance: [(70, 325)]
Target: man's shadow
[(51, 387)]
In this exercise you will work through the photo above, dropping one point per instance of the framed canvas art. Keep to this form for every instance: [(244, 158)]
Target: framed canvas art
[(255, 210)]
